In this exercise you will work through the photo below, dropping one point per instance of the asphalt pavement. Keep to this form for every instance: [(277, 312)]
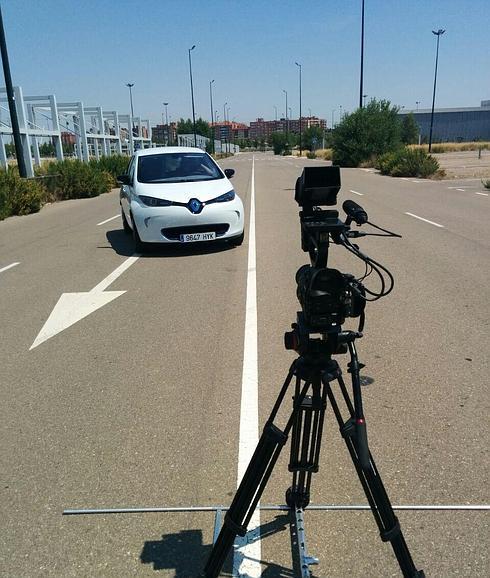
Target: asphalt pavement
[(121, 381)]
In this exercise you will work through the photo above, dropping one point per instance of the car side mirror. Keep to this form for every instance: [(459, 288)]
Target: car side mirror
[(229, 173), (124, 179)]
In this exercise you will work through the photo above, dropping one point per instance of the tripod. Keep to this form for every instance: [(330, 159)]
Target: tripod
[(315, 372)]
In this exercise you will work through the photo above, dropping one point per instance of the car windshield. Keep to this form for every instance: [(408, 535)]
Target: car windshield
[(177, 168)]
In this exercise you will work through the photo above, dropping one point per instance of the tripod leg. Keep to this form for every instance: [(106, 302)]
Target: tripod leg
[(255, 478), (388, 524), (306, 440)]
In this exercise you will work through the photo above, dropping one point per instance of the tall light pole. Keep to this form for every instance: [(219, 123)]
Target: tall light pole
[(417, 102), (287, 123), (14, 119), (212, 115), (438, 34), (224, 122), (130, 86), (165, 104), (192, 96), (300, 131), (364, 96), (230, 132), (362, 57)]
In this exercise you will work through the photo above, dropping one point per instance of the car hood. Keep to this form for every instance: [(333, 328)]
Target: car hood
[(183, 192)]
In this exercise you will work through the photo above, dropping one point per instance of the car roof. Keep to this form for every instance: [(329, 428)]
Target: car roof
[(167, 150)]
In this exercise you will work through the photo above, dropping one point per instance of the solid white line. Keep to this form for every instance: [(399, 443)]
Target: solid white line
[(483, 194), (115, 274), (425, 220), (355, 192), (107, 220), (9, 267), (247, 556)]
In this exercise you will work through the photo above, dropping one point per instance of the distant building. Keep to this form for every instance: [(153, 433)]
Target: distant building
[(264, 128), (163, 134), (454, 124), (230, 131), (68, 138)]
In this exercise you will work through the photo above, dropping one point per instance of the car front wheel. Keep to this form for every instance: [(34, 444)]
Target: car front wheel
[(126, 227), (139, 246)]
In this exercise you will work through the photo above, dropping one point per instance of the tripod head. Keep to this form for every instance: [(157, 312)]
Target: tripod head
[(327, 296)]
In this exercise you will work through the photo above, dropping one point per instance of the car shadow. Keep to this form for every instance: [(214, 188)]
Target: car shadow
[(123, 244)]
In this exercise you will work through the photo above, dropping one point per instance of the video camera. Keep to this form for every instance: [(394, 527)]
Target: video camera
[(327, 296)]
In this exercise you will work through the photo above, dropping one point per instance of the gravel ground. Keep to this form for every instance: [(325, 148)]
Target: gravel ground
[(465, 164)]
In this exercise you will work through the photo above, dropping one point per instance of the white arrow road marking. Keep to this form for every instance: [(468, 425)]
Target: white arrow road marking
[(8, 267), (73, 307)]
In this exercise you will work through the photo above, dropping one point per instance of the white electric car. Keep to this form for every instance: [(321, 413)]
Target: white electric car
[(179, 195)]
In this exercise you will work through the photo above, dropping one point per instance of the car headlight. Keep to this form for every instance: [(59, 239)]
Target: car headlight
[(229, 196), (153, 202)]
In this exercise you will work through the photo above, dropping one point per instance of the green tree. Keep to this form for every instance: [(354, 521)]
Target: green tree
[(366, 133), (279, 142), (409, 130), (185, 126), (203, 128), (312, 138)]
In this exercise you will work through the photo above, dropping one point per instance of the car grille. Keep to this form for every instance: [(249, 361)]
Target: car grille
[(173, 233)]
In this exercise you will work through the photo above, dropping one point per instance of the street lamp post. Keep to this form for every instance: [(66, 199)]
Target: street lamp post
[(287, 122), (224, 123), (19, 150), (438, 34), (362, 57), (300, 131), (130, 86), (192, 96), (417, 102), (165, 104), (364, 96), (212, 116)]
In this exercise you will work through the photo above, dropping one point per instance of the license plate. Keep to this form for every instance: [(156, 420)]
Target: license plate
[(191, 237)]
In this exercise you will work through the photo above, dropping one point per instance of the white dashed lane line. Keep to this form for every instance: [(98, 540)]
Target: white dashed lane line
[(107, 220), (8, 267), (483, 194), (356, 193), (425, 220)]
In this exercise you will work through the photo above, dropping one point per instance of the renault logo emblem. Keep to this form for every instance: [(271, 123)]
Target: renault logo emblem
[(195, 206)]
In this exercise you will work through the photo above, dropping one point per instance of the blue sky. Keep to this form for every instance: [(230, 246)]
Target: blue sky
[(89, 49)]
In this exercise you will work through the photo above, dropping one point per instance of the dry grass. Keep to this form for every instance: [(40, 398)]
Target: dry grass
[(453, 147)]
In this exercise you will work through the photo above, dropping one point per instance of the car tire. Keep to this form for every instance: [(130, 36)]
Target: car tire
[(237, 241), (139, 246), (126, 226)]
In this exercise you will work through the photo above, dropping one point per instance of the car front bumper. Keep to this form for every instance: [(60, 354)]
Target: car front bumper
[(152, 222)]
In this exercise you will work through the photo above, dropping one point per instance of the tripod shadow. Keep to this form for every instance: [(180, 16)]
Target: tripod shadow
[(185, 553)]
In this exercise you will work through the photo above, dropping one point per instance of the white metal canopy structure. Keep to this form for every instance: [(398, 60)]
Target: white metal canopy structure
[(96, 132)]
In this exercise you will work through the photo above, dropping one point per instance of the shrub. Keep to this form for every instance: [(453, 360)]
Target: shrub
[(408, 162), (370, 131), (311, 155), (486, 184), (19, 196), (73, 179), (115, 165)]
